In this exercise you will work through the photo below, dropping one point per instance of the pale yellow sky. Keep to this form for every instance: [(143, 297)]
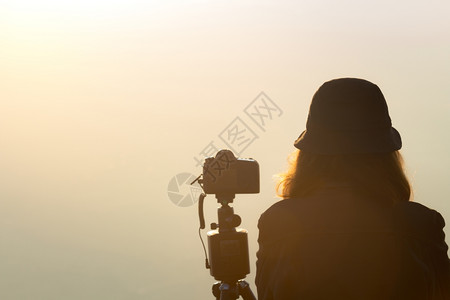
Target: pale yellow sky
[(103, 102)]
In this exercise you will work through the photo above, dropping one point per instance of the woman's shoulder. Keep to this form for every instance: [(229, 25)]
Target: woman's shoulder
[(279, 214), (419, 221), (293, 215), (419, 214), (281, 209), (282, 205)]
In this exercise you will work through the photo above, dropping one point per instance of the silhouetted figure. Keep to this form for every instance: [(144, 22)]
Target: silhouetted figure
[(346, 228)]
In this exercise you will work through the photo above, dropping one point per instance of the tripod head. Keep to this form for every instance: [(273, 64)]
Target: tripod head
[(228, 221), (228, 252), (228, 245)]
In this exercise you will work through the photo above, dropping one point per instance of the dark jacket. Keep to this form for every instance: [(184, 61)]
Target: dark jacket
[(338, 244)]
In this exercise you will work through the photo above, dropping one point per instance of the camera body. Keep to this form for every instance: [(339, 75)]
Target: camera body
[(225, 174)]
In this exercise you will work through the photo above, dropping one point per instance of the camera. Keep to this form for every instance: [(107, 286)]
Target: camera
[(225, 174)]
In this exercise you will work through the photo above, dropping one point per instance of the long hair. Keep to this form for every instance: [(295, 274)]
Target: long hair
[(380, 175)]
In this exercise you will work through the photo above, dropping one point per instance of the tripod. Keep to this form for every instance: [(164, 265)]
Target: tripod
[(224, 291), (228, 252)]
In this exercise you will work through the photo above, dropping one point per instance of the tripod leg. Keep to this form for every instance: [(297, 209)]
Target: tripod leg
[(245, 291), (228, 291), (216, 290)]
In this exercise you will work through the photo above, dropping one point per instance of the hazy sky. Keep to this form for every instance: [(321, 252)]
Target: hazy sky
[(103, 102)]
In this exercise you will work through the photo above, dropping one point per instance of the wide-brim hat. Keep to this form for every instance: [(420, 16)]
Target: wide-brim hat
[(349, 116)]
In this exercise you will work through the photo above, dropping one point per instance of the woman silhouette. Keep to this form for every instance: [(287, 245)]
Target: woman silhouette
[(346, 228)]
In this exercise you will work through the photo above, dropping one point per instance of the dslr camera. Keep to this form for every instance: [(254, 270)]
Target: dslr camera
[(225, 174)]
